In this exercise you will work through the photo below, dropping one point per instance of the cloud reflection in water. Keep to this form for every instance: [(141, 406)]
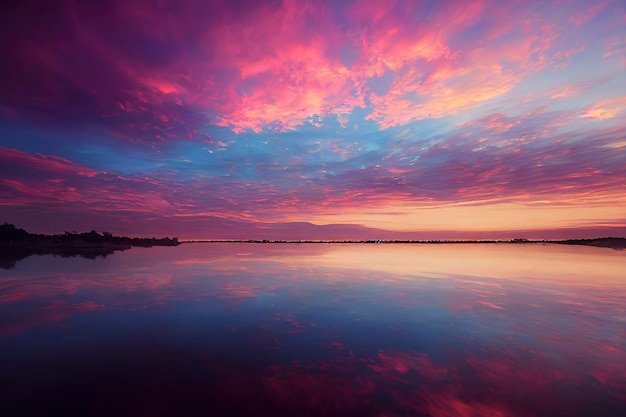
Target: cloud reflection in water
[(480, 330)]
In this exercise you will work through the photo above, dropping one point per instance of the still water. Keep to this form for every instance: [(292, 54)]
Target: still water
[(308, 330)]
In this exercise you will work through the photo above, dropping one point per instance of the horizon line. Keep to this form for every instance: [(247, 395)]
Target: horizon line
[(513, 240)]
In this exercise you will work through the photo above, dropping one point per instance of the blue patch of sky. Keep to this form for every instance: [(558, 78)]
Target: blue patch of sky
[(480, 29), (380, 85), (280, 155), (97, 150), (32, 140), (420, 133), (87, 148), (348, 56), (309, 150), (357, 121)]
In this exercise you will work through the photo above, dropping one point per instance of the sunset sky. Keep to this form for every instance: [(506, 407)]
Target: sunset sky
[(315, 119)]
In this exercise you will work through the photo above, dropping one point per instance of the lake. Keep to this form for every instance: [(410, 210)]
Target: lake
[(230, 329)]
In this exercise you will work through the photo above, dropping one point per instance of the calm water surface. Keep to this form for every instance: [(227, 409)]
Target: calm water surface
[(308, 330)]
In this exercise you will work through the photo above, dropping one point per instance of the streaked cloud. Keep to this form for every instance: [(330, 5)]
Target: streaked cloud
[(273, 112)]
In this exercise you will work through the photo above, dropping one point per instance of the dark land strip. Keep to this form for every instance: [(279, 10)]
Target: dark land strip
[(17, 244)]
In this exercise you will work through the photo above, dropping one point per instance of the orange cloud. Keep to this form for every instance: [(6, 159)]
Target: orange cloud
[(606, 109)]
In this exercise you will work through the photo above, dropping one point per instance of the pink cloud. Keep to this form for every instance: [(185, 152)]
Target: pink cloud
[(50, 164), (606, 109), (473, 72), (450, 403), (55, 312), (403, 362), (580, 18), (280, 66)]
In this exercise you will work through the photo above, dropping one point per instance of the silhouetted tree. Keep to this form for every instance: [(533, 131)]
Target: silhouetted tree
[(9, 232)]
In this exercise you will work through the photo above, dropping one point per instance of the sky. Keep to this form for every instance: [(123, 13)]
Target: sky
[(315, 119)]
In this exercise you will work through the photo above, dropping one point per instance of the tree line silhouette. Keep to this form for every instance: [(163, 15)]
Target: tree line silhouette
[(17, 244), (11, 233)]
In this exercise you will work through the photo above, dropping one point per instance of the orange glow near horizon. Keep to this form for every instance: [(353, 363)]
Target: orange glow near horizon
[(487, 216)]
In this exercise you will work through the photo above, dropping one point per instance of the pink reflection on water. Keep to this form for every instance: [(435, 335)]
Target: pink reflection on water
[(403, 362), (55, 313), (465, 330)]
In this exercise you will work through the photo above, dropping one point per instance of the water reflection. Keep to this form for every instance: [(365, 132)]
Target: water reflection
[(232, 329)]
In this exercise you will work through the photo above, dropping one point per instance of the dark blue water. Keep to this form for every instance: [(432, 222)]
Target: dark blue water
[(308, 330)]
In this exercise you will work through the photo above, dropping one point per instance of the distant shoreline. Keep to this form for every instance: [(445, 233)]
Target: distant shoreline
[(17, 244), (604, 242)]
